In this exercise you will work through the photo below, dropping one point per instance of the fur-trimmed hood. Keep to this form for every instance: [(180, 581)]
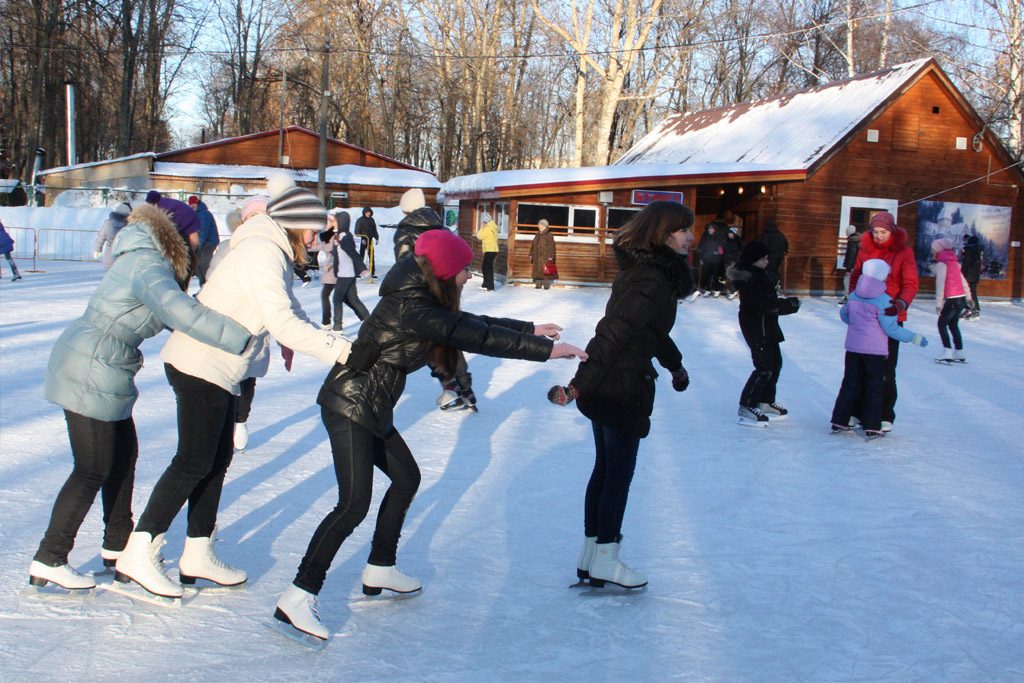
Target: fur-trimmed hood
[(872, 249), (662, 259), (148, 228)]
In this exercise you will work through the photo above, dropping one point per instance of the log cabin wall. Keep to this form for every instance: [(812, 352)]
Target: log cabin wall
[(921, 146), (301, 147), (358, 195), (914, 158)]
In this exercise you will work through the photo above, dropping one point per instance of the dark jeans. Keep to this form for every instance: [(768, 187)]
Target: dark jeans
[(325, 303), (243, 404), (608, 489), (760, 386), (949, 321), (488, 269), (206, 423), (345, 292), (711, 276), (861, 391), (104, 459), (356, 452)]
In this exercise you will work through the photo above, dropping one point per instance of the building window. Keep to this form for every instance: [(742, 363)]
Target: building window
[(499, 212), (565, 221)]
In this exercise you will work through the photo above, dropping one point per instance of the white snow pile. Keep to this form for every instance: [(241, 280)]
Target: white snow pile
[(773, 554)]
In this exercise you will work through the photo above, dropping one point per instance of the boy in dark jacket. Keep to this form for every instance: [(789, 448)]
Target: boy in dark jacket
[(760, 308), (366, 233)]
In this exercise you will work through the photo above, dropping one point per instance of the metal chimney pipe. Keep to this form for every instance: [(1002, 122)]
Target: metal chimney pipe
[(72, 156), (36, 168)]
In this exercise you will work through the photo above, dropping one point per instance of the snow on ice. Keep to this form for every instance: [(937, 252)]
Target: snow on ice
[(775, 554)]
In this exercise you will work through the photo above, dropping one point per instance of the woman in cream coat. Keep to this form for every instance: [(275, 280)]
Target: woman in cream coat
[(253, 285)]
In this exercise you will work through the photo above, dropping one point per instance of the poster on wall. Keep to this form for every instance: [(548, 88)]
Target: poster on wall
[(451, 217), (956, 222)]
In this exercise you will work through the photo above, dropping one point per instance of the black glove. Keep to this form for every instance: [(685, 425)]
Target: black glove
[(362, 356), (562, 396), (791, 304), (680, 379)]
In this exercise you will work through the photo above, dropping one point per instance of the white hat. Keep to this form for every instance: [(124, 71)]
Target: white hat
[(876, 268), (412, 199)]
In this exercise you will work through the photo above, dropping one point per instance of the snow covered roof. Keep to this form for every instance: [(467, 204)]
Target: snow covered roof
[(346, 174), (498, 181), (788, 131), (779, 137), (130, 157)]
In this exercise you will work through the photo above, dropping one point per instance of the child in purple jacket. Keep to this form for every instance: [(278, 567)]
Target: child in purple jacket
[(867, 347)]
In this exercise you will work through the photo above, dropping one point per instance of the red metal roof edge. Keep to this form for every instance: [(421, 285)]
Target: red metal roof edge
[(660, 178), (292, 128)]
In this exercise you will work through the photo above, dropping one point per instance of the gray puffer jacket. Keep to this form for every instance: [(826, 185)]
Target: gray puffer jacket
[(94, 361)]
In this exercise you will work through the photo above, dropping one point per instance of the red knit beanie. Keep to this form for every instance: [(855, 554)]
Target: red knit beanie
[(883, 219), (447, 252)]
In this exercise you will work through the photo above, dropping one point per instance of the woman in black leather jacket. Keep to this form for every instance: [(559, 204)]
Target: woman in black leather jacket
[(417, 319), (615, 386)]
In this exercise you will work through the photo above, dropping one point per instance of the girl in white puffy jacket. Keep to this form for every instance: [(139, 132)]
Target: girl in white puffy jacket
[(252, 285)]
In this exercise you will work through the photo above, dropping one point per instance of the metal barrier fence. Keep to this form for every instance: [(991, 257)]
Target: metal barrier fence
[(52, 244)]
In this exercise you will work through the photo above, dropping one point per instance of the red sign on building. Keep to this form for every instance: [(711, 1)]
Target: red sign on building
[(644, 197)]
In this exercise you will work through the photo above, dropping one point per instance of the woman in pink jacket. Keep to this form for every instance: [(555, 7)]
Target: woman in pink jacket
[(951, 296)]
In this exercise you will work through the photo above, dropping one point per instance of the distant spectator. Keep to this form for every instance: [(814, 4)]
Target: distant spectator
[(6, 247), (971, 267), (117, 219), (542, 250), (367, 235), (850, 258), (208, 237), (488, 237), (711, 250)]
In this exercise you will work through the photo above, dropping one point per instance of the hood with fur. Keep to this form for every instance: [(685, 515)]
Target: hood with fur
[(154, 228), (872, 249)]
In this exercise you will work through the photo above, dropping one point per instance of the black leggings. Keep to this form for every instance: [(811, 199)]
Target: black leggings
[(206, 423), (356, 452), (760, 386), (608, 489), (104, 459), (949, 321)]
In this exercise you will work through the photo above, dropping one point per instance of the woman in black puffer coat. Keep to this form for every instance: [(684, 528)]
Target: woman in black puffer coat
[(417, 319), (614, 387)]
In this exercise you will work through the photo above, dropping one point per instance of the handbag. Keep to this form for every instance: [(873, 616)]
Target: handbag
[(550, 269)]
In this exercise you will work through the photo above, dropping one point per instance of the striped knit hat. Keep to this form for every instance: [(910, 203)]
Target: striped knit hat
[(294, 208)]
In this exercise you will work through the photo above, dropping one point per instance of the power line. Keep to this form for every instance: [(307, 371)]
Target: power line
[(764, 36), (969, 182)]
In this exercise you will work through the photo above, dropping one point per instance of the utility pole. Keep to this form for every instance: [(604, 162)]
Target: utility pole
[(280, 123), (321, 184)]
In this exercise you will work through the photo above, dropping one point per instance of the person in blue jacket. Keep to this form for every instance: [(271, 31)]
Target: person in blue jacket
[(208, 237), (91, 375), (6, 247)]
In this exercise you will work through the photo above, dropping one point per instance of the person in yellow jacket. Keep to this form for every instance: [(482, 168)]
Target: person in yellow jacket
[(488, 236)]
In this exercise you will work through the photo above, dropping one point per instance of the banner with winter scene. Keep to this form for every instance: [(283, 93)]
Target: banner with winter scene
[(955, 222)]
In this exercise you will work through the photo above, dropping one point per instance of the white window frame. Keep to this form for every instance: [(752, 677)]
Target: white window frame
[(846, 207), (581, 239)]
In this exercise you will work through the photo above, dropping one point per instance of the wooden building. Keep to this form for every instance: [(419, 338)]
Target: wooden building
[(903, 140), (237, 166)]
